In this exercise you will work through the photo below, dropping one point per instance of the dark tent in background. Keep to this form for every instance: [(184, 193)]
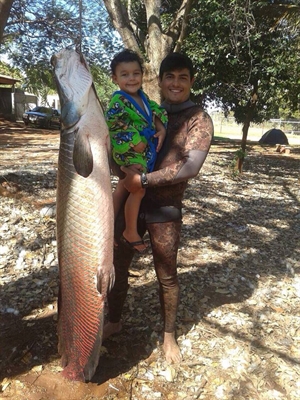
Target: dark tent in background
[(274, 136)]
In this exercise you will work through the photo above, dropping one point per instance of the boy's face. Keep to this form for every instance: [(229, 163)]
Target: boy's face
[(176, 86), (128, 76)]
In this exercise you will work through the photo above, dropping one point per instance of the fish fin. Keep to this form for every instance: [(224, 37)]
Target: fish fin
[(100, 281), (105, 280), (82, 154), (111, 279)]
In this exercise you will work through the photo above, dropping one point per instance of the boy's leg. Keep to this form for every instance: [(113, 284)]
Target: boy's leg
[(132, 207)]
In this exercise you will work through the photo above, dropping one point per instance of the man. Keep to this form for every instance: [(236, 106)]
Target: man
[(185, 148)]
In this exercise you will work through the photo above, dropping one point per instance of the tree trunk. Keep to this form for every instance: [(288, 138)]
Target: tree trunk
[(240, 160), (150, 82), (5, 7), (249, 116), (155, 44)]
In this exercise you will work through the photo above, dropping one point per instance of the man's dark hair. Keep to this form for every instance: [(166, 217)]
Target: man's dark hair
[(174, 62), (126, 55)]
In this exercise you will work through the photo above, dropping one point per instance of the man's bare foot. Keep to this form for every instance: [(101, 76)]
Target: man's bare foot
[(171, 348), (111, 328)]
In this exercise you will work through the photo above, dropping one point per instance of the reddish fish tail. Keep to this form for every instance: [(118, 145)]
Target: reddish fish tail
[(72, 372), (80, 360), (93, 361)]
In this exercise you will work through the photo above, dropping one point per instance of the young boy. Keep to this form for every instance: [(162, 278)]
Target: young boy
[(137, 129)]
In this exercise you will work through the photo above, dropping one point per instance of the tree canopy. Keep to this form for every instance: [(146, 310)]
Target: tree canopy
[(247, 57), (35, 31), (239, 50), (246, 52)]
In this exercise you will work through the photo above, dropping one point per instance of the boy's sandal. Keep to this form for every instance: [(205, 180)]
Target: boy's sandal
[(133, 245)]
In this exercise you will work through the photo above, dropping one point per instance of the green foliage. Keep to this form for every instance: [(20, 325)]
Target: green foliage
[(240, 153), (236, 49), (8, 70), (103, 84), (235, 46), (37, 30)]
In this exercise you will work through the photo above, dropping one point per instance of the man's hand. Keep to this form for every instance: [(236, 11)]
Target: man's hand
[(132, 180)]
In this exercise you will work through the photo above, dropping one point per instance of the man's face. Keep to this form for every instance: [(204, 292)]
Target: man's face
[(176, 86)]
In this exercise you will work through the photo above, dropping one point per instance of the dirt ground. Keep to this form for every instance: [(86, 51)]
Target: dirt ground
[(239, 264)]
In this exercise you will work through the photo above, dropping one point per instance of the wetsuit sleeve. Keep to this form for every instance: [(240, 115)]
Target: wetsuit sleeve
[(198, 141), (123, 133)]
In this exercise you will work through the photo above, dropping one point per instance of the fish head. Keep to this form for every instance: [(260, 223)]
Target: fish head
[(73, 81)]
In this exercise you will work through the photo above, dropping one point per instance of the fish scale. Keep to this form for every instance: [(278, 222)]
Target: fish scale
[(84, 218)]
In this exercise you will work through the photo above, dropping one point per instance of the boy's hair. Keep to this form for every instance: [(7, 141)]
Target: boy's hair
[(176, 61), (126, 55)]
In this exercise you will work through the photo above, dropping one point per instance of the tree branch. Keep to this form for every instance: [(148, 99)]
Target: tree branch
[(5, 7), (120, 19), (139, 34), (175, 30)]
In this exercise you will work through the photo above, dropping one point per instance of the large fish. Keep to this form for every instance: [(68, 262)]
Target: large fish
[(84, 217)]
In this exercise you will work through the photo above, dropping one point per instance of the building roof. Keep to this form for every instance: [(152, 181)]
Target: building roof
[(8, 80)]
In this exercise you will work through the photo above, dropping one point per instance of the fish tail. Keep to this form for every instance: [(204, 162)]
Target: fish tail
[(78, 367), (72, 372), (91, 366)]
